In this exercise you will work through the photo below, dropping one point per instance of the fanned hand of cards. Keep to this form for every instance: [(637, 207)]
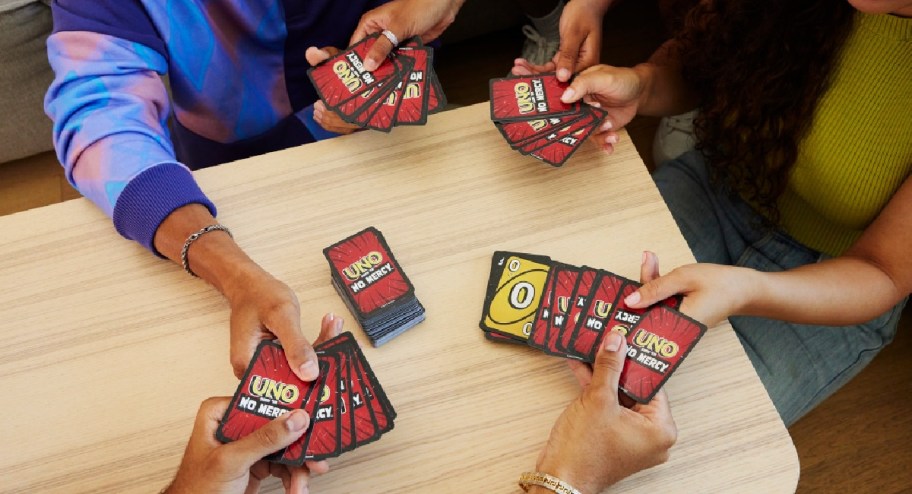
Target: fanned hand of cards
[(565, 310), (346, 404), (528, 112), (373, 285), (403, 90)]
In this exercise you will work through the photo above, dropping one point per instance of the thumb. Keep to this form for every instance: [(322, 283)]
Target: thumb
[(378, 52), (268, 439), (588, 82), (609, 363), (567, 56)]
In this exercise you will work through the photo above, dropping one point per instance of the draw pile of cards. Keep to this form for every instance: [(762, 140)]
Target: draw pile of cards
[(565, 310), (403, 90), (373, 285), (346, 405), (528, 112)]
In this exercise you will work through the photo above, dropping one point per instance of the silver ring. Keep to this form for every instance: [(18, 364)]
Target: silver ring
[(391, 37)]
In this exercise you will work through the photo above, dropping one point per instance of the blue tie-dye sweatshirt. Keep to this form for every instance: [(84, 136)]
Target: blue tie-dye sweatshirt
[(238, 81)]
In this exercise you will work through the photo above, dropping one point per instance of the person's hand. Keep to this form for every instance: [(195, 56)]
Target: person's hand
[(596, 441), (711, 292), (238, 467), (264, 308), (580, 36), (327, 118), (404, 18), (212, 467), (616, 90)]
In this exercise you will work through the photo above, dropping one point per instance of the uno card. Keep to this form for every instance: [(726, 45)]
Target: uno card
[(584, 289), (655, 348), (596, 315), (379, 98), (268, 390), (343, 77), (413, 107), (517, 295), (384, 413), (436, 99), (323, 440), (558, 152), (519, 133), (586, 119), (565, 284), (529, 97), (542, 321), (363, 423), (367, 273)]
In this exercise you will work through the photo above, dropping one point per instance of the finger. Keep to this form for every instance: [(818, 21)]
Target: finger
[(315, 55), (609, 362), (587, 82), (281, 471), (253, 486), (210, 415), (649, 268), (317, 467), (377, 52), (581, 371), (275, 435), (658, 289), (567, 55), (286, 326), (520, 70), (298, 482), (330, 327)]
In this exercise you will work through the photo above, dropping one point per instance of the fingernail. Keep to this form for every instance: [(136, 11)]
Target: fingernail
[(370, 65), (309, 370), (596, 104), (563, 74), (568, 94), (632, 299), (645, 256), (613, 341), (297, 420), (607, 125), (611, 139), (337, 324), (330, 316)]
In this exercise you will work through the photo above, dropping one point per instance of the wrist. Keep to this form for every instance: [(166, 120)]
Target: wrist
[(646, 74), (753, 288)]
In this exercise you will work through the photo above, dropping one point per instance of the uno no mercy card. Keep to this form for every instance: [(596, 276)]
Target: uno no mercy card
[(656, 346), (596, 315), (585, 285), (367, 272), (529, 97), (565, 283), (268, 390), (414, 108), (516, 294), (343, 76)]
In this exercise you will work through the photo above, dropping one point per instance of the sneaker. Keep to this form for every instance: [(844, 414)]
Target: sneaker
[(674, 137), (538, 49)]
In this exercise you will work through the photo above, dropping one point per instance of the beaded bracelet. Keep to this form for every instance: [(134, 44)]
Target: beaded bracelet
[(528, 479), (185, 262)]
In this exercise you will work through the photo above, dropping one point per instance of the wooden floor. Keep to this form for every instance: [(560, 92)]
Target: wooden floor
[(858, 441)]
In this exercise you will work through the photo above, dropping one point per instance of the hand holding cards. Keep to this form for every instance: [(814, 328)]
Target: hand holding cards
[(566, 310), (373, 285), (403, 90), (528, 112), (346, 404)]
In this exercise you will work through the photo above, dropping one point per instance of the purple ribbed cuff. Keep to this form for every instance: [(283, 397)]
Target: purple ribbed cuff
[(151, 196)]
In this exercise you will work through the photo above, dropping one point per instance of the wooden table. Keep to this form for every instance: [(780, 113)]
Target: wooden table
[(107, 351)]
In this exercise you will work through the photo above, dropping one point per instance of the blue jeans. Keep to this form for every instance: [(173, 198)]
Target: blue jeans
[(800, 365)]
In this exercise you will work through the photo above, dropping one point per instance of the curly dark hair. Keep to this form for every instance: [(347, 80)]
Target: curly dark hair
[(759, 68)]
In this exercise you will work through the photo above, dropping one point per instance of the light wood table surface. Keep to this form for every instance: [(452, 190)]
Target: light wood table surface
[(107, 351)]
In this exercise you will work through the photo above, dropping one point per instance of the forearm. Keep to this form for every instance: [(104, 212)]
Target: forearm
[(214, 257), (664, 90), (836, 292)]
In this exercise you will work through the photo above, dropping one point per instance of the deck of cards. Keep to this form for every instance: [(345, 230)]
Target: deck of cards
[(565, 310), (403, 90), (346, 404), (373, 285), (528, 112)]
